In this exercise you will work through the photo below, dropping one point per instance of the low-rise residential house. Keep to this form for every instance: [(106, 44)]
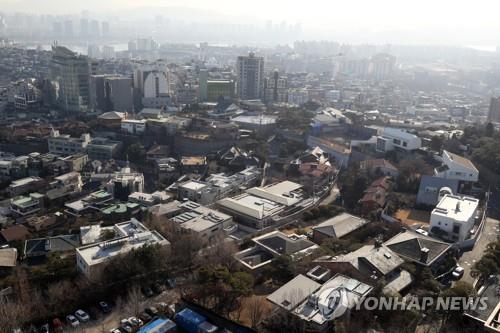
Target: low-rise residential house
[(272, 245), (92, 258), (112, 118), (25, 185), (8, 257), (327, 120), (456, 167), (149, 199), (258, 207), (14, 233), (486, 317), (102, 148), (379, 167), (166, 210), (121, 183), (193, 164), (167, 169), (157, 152), (22, 206), (64, 144), (236, 159), (202, 221), (93, 202), (341, 154), (371, 264), (316, 305), (152, 113), (76, 162), (64, 187), (395, 138), (218, 186), (419, 249), (41, 247), (337, 227), (133, 126), (432, 189), (375, 196), (454, 217)]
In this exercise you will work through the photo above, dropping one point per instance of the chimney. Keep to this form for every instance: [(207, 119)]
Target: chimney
[(424, 255), (458, 206)]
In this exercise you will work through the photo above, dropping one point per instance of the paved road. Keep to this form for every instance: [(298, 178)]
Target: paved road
[(332, 196), (489, 234)]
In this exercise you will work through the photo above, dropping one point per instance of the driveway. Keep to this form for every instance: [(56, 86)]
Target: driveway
[(489, 234), (332, 196)]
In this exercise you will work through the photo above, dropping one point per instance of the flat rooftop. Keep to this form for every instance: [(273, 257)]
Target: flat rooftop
[(456, 207), (251, 205), (199, 218), (97, 253), (286, 193), (24, 181), (194, 185)]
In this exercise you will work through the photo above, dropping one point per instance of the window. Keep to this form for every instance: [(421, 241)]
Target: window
[(396, 142), (456, 229), (405, 144), (429, 189)]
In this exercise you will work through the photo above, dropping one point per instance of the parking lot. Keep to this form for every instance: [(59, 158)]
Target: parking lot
[(104, 323)]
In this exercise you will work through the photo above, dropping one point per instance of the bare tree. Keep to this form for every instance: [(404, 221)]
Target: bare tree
[(12, 314), (220, 252), (257, 307), (133, 303)]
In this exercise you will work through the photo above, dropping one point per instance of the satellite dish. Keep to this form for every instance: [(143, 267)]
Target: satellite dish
[(333, 302)]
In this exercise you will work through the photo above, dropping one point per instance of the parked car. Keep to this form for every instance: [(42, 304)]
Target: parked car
[(72, 321), (57, 325), (135, 322), (147, 292), (104, 307), (457, 273), (145, 317), (126, 326), (44, 328), (115, 330), (82, 316), (152, 311)]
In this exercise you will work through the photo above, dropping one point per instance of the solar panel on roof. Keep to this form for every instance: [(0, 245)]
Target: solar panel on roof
[(351, 284), (362, 289)]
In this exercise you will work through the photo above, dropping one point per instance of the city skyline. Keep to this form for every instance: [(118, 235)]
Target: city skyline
[(444, 22)]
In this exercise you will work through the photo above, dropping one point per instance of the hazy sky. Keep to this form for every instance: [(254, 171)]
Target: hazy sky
[(473, 18)]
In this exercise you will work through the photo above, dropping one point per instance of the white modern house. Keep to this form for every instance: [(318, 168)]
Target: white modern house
[(456, 167), (455, 217), (395, 138), (133, 126), (129, 235)]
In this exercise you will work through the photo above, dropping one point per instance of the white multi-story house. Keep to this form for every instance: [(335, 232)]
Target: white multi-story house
[(130, 235), (395, 138), (201, 221), (64, 144), (456, 167), (133, 126), (218, 186), (454, 217)]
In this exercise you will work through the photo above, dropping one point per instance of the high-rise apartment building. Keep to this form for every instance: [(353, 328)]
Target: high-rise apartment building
[(111, 93), (250, 73), (70, 73), (275, 88), (152, 83), (494, 113)]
